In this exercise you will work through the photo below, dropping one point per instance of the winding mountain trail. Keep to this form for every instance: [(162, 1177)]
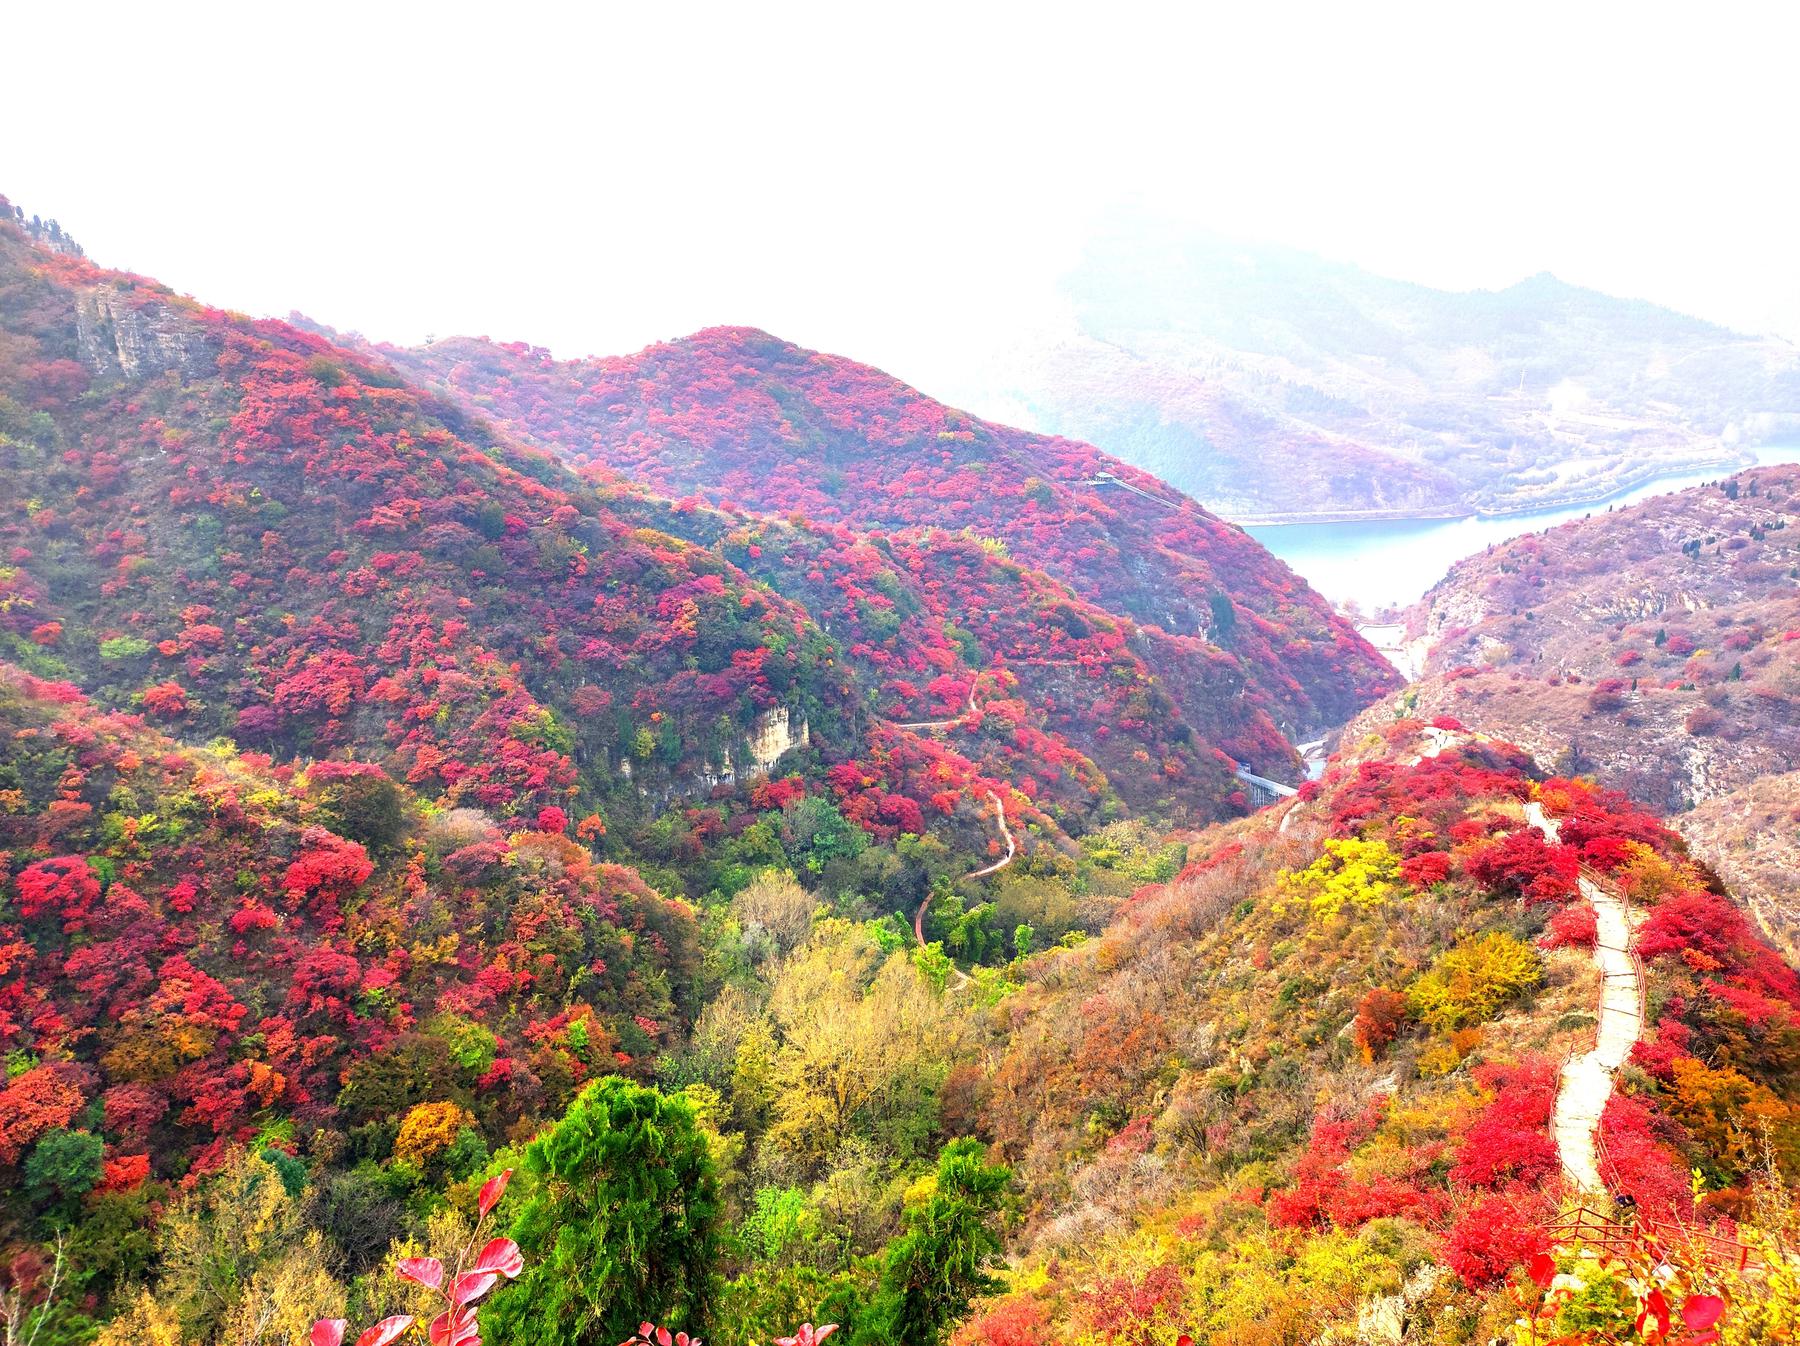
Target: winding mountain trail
[(939, 724), (1006, 835), (1587, 1080), (962, 978)]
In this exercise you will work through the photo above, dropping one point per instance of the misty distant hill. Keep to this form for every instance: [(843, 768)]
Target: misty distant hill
[(1271, 383)]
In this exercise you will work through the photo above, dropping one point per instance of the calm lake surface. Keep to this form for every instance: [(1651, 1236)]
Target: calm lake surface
[(1396, 561)]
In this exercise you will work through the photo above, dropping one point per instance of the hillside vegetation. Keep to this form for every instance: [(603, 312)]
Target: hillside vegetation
[(741, 418), (783, 836), (1657, 647), (1312, 1077)]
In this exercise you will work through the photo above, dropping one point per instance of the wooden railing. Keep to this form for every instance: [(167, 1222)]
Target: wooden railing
[(1602, 1154)]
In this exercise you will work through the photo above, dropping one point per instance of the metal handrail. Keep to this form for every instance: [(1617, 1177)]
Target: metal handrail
[(1656, 1235)]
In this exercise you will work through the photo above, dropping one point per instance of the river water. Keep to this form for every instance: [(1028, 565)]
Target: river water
[(1378, 563)]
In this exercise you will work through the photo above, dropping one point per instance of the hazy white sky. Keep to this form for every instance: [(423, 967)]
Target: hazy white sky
[(898, 183)]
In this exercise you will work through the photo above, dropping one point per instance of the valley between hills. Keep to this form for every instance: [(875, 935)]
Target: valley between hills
[(717, 841)]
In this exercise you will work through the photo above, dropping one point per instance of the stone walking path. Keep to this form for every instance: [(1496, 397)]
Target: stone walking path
[(1587, 1080)]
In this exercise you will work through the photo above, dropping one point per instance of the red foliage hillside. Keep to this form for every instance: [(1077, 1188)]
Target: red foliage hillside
[(200, 942), (738, 416), (937, 622), (240, 528), (247, 530), (1283, 1048)]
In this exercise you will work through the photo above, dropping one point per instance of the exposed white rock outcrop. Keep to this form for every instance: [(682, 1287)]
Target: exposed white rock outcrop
[(139, 341), (772, 736)]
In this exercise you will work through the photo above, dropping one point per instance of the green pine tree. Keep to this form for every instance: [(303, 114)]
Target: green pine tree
[(620, 1225), (931, 1272)]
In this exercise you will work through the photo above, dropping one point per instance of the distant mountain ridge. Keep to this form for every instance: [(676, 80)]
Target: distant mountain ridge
[(1269, 383), (736, 416)]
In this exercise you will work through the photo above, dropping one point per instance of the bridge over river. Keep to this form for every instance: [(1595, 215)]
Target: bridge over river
[(1264, 791)]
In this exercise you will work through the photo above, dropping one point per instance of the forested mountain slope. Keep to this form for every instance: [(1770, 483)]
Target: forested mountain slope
[(245, 529), (199, 949), (740, 417), (241, 529), (1305, 1090)]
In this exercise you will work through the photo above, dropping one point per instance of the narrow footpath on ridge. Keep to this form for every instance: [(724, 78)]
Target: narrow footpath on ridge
[(1587, 1079), (1586, 1082)]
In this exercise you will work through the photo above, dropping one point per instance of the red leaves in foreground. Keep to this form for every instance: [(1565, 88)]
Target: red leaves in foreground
[(1702, 1311), (471, 1286), (1542, 1269), (1542, 1303), (426, 1271), (385, 1331), (808, 1335), (502, 1257), (649, 1334), (456, 1325), (492, 1190)]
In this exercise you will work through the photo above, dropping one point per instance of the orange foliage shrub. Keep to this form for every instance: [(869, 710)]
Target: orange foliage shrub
[(428, 1131)]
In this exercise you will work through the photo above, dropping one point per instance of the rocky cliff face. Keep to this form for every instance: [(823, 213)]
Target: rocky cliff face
[(131, 341), (1751, 838), (1656, 646), (772, 735)]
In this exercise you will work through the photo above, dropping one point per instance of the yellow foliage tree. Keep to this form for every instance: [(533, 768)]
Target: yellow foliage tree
[(145, 1321), (1647, 877), (1352, 872), (1732, 1115), (1471, 982), (774, 903), (214, 1241), (285, 1298), (864, 1043), (428, 1130)]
